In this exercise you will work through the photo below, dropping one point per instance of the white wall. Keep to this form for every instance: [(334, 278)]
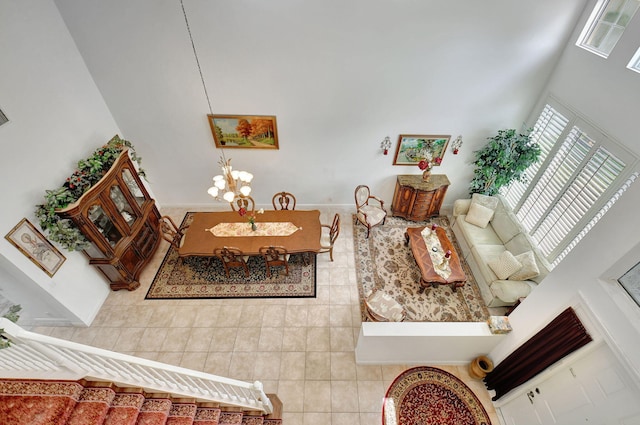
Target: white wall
[(338, 75), (607, 93), (57, 117)]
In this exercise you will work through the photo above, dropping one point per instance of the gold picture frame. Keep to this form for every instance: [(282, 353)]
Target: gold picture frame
[(411, 148), (244, 131), (36, 247)]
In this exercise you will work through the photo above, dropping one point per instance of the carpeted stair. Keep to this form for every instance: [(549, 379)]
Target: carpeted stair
[(39, 402)]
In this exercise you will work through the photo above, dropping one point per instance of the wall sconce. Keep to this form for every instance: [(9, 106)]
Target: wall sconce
[(385, 145), (456, 145)]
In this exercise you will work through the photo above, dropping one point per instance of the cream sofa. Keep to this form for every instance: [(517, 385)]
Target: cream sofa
[(504, 259)]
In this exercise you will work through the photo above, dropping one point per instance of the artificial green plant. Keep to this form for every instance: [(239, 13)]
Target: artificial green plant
[(88, 173), (503, 160)]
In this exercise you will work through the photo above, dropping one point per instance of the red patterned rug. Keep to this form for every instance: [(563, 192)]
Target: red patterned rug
[(430, 396), (203, 277)]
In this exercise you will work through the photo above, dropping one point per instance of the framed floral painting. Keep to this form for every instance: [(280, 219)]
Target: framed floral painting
[(413, 148), (35, 246), (244, 131)]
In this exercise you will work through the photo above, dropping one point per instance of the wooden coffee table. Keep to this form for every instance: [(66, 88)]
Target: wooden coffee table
[(420, 251)]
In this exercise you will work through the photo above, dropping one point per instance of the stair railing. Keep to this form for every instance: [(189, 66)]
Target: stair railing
[(35, 356)]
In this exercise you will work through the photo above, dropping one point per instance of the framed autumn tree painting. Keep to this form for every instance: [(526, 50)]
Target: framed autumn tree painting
[(244, 131)]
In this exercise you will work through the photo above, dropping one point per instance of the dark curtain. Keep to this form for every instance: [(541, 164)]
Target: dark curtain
[(562, 336)]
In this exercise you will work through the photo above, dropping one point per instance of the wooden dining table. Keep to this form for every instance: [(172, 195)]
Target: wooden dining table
[(296, 230)]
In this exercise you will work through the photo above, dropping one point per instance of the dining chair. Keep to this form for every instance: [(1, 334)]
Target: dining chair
[(232, 257), (284, 201), (369, 213), (329, 235), (275, 256), (245, 202), (172, 233)]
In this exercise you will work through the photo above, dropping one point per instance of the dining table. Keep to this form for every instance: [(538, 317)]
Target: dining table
[(296, 230)]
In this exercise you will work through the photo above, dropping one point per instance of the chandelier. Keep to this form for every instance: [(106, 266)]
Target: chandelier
[(231, 184)]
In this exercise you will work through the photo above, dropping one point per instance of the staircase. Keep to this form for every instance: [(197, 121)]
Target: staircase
[(49, 381), (49, 402)]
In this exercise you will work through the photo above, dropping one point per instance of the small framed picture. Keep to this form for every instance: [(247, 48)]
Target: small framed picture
[(34, 245), (413, 148), (244, 131), (630, 281)]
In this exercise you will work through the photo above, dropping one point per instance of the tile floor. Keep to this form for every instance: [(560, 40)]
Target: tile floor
[(301, 349)]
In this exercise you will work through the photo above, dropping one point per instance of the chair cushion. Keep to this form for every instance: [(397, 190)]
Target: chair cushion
[(374, 214), (384, 307), (479, 215), (529, 267), (505, 265)]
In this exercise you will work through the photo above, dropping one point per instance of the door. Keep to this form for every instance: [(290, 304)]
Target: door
[(595, 389)]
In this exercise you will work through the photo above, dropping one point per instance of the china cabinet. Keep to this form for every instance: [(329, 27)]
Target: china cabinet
[(416, 199), (121, 222)]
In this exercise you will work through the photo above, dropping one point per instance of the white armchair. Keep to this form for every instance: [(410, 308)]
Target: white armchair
[(369, 213)]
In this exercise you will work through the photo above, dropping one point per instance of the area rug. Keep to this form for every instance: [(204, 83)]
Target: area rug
[(383, 262), (431, 396), (204, 277)]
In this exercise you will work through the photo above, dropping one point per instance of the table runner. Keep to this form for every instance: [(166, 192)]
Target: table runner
[(440, 263), (263, 229)]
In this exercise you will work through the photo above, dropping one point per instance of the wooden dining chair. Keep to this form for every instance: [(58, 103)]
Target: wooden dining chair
[(232, 258), (275, 256), (284, 201), (172, 233), (369, 213), (329, 235), (245, 202)]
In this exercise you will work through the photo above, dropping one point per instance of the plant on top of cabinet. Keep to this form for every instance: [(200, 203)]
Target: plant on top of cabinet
[(503, 160), (88, 173)]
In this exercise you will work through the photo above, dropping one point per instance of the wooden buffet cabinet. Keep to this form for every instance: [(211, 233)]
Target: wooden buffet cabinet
[(121, 222), (416, 199)]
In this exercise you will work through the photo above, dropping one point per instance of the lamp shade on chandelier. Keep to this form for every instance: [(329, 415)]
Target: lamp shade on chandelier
[(231, 184)]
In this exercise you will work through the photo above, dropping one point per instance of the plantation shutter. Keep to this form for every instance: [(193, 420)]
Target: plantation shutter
[(579, 171), (546, 132)]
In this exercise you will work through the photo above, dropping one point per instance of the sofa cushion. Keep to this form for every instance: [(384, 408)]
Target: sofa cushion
[(510, 291), (490, 202), (505, 265), (529, 267), (479, 215), (475, 235), (518, 244), (506, 225)]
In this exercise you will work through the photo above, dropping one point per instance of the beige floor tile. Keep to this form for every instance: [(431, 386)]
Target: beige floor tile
[(294, 339), (291, 393), (176, 339), (342, 339), (340, 315), (218, 363), (318, 339), (152, 339), (129, 339), (194, 360), (351, 418), (316, 418), (242, 365), (270, 339), (292, 365), (344, 396), (317, 396), (318, 315), (370, 396), (343, 365), (247, 339), (296, 316), (199, 340), (318, 365), (273, 316), (267, 365), (223, 339)]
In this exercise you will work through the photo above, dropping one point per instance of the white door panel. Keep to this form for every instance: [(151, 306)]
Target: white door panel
[(594, 389)]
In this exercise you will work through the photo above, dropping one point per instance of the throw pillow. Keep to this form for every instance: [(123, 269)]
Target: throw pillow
[(505, 265), (529, 267), (490, 202), (479, 215)]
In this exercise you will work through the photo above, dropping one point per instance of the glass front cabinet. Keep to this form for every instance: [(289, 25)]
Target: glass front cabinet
[(120, 221)]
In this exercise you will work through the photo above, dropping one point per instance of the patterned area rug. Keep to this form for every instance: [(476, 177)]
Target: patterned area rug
[(431, 396), (202, 277), (383, 262)]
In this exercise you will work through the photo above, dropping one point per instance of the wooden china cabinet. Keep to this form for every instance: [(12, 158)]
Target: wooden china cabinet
[(416, 199), (120, 221)]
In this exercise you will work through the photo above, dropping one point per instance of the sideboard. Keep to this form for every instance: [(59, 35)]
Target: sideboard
[(416, 199)]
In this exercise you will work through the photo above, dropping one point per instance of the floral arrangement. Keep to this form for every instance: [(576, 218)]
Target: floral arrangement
[(252, 217), (88, 173), (427, 164)]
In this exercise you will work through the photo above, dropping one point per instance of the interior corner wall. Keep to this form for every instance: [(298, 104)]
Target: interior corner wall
[(56, 117)]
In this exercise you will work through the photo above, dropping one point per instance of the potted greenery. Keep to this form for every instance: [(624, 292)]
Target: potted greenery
[(503, 160), (88, 173)]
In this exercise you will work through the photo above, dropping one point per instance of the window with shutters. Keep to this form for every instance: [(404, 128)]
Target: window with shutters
[(579, 172), (606, 25)]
